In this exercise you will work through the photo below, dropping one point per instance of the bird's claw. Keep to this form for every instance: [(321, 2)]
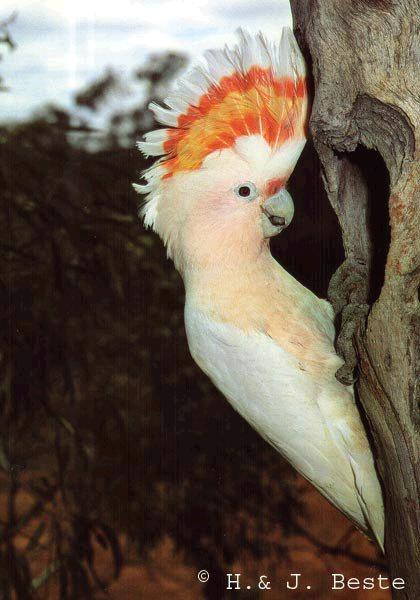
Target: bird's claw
[(348, 292)]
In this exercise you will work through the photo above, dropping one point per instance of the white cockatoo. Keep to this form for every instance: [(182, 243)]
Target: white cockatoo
[(234, 130)]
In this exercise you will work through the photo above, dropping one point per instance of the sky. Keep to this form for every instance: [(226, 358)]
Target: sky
[(62, 45)]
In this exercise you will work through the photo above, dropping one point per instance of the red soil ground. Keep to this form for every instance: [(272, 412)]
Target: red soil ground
[(166, 574)]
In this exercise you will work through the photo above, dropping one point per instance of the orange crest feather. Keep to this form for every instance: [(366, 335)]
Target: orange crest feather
[(254, 88)]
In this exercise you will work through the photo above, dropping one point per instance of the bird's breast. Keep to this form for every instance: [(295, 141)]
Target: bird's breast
[(308, 421), (264, 383)]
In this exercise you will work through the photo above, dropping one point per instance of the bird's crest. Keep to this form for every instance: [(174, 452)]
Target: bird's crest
[(256, 87)]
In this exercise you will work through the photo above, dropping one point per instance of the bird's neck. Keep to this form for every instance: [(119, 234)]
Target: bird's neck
[(240, 292)]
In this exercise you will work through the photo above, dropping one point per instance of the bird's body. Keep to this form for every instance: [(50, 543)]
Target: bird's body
[(265, 340), (279, 377)]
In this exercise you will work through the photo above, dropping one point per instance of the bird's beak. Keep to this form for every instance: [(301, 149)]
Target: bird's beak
[(277, 213)]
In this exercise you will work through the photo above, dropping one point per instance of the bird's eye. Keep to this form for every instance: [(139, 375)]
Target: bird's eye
[(246, 190)]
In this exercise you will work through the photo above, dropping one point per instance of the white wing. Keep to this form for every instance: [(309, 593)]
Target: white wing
[(315, 425)]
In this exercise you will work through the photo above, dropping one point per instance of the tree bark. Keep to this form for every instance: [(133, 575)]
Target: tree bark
[(365, 127)]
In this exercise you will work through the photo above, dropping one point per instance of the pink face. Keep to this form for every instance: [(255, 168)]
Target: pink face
[(226, 210)]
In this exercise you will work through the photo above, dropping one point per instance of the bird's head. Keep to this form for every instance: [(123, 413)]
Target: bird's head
[(237, 129)]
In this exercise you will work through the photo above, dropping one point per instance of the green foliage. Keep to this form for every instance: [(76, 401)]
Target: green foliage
[(6, 41), (97, 92)]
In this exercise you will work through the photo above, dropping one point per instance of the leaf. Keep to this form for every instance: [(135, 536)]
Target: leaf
[(81, 586), (22, 577), (114, 544), (49, 570), (4, 463), (33, 542)]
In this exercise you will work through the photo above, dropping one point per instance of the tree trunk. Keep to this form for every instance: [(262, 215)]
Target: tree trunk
[(365, 126)]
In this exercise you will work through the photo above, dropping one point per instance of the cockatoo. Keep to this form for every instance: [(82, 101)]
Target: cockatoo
[(234, 130)]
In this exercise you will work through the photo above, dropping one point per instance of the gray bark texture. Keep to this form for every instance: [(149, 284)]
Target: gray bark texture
[(364, 58)]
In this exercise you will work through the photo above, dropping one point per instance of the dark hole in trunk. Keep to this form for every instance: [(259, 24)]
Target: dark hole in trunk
[(376, 177), (311, 247)]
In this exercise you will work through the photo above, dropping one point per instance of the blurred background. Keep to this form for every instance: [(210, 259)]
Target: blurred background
[(123, 472)]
